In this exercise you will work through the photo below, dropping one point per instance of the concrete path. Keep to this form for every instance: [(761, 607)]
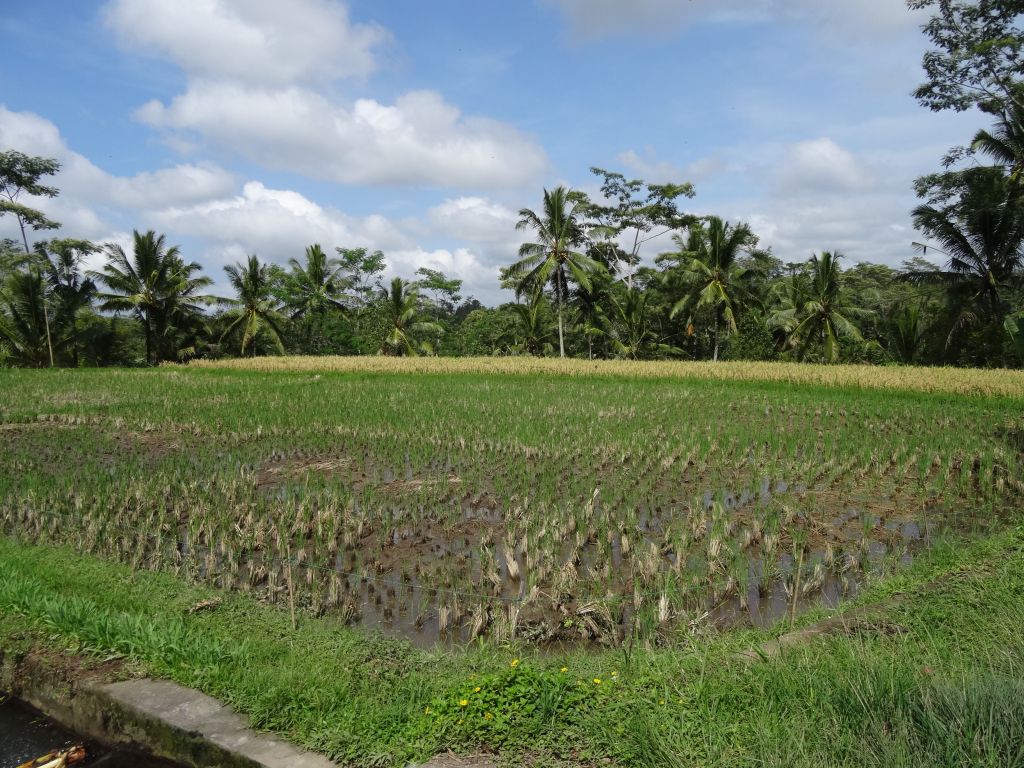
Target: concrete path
[(198, 714)]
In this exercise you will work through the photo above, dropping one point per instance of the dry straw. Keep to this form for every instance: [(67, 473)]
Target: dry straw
[(963, 381)]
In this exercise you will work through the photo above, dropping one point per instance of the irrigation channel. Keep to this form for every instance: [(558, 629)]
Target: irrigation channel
[(26, 734)]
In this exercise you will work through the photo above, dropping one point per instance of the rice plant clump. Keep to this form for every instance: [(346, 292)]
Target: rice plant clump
[(512, 499)]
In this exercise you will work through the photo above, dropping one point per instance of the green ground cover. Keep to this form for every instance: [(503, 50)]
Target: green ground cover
[(385, 508)]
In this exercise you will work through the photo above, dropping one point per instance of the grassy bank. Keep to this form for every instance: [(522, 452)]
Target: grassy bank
[(932, 680)]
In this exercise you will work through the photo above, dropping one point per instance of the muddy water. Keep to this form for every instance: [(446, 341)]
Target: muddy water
[(439, 578), (25, 734)]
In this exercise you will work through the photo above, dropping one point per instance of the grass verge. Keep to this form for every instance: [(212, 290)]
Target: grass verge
[(936, 680)]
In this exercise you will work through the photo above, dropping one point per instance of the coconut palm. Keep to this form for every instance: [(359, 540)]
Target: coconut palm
[(254, 311), (317, 285), (532, 333), (711, 254), (982, 237), (820, 319), (1005, 142), (156, 284), (23, 326), (554, 256), (631, 332), (909, 332), (71, 290), (402, 309)]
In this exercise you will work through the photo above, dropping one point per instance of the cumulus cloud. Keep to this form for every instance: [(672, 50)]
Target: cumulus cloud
[(277, 224), (259, 84), (221, 222), (651, 168), (252, 41), (473, 218), (86, 190), (820, 165), (420, 139), (591, 19)]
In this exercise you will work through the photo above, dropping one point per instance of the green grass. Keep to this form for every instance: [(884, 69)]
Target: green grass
[(935, 681)]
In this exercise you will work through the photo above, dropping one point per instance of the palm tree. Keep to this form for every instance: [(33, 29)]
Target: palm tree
[(23, 326), (909, 332), (632, 335), (72, 291), (402, 309), (317, 285), (711, 255), (533, 331), (982, 237), (559, 232), (1005, 143), (820, 319), (255, 310), (155, 283)]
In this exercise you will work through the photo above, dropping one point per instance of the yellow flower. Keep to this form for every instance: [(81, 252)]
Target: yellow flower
[(662, 702), (615, 673), (564, 669), (597, 681), (488, 715), (463, 702), (514, 663), (477, 689)]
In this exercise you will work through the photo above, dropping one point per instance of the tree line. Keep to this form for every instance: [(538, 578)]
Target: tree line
[(581, 288)]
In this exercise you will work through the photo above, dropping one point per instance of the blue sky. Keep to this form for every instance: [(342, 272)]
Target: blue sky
[(240, 126)]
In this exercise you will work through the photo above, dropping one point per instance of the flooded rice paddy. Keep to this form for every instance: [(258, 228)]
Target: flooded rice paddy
[(551, 510)]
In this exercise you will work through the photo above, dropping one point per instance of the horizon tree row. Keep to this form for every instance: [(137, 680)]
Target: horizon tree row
[(580, 286)]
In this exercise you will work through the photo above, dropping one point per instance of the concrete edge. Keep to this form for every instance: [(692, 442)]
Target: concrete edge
[(155, 716)]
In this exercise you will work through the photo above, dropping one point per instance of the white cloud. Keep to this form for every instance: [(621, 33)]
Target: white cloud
[(86, 189), (590, 19), (420, 139), (252, 41), (259, 75), (473, 218), (221, 224), (653, 169), (819, 165)]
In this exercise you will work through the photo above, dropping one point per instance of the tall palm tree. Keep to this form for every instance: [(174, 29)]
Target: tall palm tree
[(710, 254), (402, 308), (23, 326), (554, 256), (155, 283), (314, 288), (255, 310), (318, 284), (982, 237), (70, 289), (820, 321)]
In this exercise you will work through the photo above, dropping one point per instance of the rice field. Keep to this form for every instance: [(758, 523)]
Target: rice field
[(540, 501)]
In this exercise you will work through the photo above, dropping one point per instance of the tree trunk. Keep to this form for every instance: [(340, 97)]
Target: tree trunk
[(561, 335), (46, 322), (46, 312), (149, 339), (715, 358)]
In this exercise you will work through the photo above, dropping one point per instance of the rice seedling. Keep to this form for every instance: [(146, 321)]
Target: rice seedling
[(458, 499)]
